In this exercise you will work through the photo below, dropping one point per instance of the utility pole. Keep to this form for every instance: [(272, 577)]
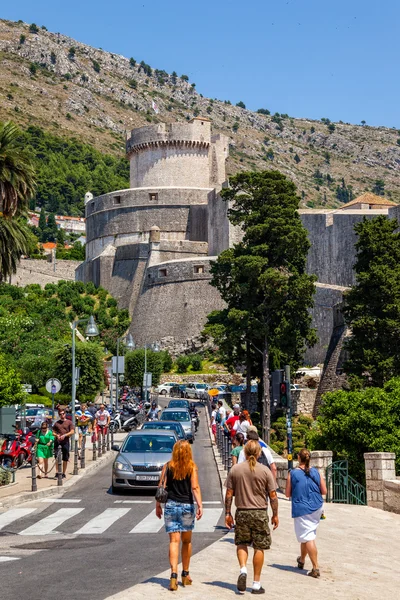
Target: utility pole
[(289, 418)]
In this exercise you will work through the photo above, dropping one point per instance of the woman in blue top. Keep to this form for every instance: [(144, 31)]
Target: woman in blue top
[(306, 486)]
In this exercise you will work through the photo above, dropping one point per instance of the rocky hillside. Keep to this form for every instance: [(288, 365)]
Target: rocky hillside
[(50, 80)]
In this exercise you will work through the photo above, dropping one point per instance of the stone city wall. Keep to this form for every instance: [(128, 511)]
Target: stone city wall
[(40, 271), (383, 487)]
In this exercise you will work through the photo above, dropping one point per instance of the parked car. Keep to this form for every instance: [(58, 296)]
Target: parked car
[(178, 390), (166, 425), (179, 404), (194, 390), (164, 388), (140, 460), (183, 416)]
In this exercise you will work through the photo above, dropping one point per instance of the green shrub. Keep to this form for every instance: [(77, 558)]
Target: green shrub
[(5, 477), (196, 361), (33, 28), (183, 363)]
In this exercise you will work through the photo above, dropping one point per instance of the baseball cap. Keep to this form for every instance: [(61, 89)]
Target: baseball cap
[(252, 428), (236, 406)]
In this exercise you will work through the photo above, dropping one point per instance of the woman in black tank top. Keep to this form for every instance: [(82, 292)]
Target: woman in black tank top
[(180, 478)]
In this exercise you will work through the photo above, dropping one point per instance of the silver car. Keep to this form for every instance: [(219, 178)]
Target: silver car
[(183, 416), (140, 460)]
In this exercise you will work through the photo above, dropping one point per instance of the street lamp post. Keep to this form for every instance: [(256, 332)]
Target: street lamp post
[(90, 331), (130, 344)]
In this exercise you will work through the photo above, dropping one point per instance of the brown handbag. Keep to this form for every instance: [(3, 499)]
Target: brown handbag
[(162, 492)]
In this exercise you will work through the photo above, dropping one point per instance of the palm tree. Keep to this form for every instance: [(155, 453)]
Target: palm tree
[(17, 173), (17, 185), (13, 243)]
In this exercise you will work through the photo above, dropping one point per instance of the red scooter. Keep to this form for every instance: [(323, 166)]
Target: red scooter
[(16, 449)]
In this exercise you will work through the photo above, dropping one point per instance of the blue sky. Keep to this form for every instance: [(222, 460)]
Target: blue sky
[(309, 58)]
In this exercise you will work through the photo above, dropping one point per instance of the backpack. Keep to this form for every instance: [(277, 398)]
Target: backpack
[(218, 417), (262, 459)]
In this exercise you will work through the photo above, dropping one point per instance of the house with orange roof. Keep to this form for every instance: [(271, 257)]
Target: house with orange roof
[(368, 201)]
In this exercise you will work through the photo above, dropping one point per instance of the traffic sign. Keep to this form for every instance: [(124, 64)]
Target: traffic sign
[(53, 386), (147, 380)]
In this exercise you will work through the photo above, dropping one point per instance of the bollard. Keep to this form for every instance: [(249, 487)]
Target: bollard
[(225, 452), (103, 445), (108, 440), (94, 451), (112, 438), (34, 479), (99, 445), (83, 448), (59, 467), (76, 471)]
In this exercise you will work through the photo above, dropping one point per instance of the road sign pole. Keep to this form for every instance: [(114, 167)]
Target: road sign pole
[(145, 373)]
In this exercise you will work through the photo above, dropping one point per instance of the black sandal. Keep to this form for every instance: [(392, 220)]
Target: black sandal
[(300, 565), (314, 573)]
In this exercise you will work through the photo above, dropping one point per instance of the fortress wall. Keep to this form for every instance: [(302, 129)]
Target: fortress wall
[(167, 250), (332, 253), (145, 197), (197, 225), (128, 220), (170, 166), (197, 130), (174, 307), (325, 300), (40, 271)]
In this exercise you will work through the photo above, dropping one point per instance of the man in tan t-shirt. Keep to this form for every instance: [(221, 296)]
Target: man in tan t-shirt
[(250, 482)]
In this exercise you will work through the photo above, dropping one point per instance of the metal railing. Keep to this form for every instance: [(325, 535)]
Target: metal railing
[(224, 444), (341, 487)]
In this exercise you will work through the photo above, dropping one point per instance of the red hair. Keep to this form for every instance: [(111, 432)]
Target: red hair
[(181, 463)]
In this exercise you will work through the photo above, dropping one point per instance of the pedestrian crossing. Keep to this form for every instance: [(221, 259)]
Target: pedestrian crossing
[(60, 522)]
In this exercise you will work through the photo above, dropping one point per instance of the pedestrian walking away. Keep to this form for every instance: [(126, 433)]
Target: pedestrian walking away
[(63, 430), (214, 421), (83, 420), (305, 486), (102, 421), (238, 445), (180, 478), (44, 448), (242, 424), (231, 420), (266, 458), (250, 482)]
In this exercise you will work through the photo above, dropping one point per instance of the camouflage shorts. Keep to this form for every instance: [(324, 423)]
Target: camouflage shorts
[(252, 529)]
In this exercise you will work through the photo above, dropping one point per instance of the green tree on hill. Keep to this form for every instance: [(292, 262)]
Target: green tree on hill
[(11, 391)]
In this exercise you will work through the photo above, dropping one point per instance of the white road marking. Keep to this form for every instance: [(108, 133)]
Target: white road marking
[(150, 524), (14, 514), (8, 558), (48, 524), (211, 502), (63, 500), (208, 521), (103, 521), (133, 501)]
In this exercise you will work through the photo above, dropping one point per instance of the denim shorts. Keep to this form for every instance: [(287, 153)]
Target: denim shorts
[(178, 516)]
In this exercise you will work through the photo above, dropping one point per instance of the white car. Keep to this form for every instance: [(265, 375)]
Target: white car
[(195, 390), (164, 388)]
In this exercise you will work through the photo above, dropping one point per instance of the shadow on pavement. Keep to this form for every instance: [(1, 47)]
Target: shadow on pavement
[(226, 539), (164, 583), (224, 585), (288, 568)]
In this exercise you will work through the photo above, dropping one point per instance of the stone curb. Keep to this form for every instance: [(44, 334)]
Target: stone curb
[(54, 491)]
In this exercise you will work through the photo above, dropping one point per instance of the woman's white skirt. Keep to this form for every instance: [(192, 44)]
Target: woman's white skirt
[(305, 527)]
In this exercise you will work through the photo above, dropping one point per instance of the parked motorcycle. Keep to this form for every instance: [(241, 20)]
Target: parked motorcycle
[(17, 449)]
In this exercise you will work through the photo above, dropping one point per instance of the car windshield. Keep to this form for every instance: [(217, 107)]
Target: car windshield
[(32, 412), (201, 386), (179, 415), (149, 443), (177, 403), (171, 426)]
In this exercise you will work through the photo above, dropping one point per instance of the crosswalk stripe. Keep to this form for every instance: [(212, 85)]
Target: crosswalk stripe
[(48, 524), (103, 521), (62, 500), (150, 524), (8, 558), (208, 521), (14, 514), (133, 501)]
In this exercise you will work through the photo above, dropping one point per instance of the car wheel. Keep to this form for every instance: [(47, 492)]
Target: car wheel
[(186, 395), (191, 441), (115, 490), (163, 392)]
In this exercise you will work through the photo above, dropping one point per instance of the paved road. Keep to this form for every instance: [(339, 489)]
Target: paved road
[(91, 544)]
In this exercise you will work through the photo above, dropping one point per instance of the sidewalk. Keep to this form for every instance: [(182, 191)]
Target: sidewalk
[(20, 491), (358, 548)]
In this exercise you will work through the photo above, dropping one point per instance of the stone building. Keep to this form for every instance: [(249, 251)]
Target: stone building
[(151, 245)]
